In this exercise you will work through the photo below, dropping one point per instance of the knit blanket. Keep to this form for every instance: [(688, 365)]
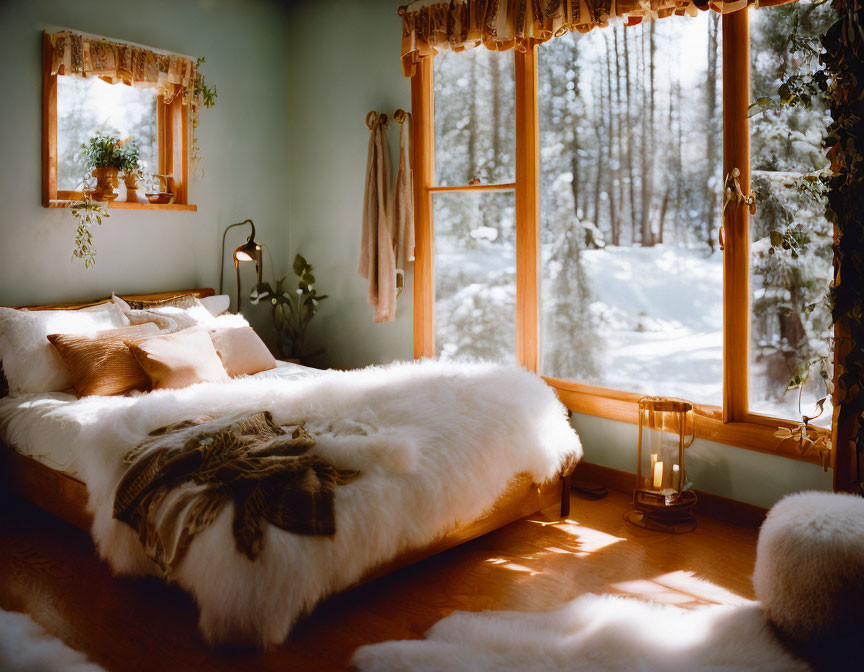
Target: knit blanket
[(181, 477)]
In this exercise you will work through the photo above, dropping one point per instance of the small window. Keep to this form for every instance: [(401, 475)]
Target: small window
[(95, 86), (90, 107)]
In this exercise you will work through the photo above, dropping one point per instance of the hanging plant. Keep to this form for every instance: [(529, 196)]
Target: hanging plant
[(199, 94), (86, 212)]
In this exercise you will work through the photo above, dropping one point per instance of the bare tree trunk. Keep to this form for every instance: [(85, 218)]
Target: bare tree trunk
[(598, 163), (571, 122), (628, 118), (679, 169), (491, 215), (495, 65), (662, 222), (648, 177), (711, 134), (645, 167), (616, 234), (610, 159), (472, 124)]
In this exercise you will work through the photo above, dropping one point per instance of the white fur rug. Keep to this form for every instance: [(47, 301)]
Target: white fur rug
[(591, 634), (436, 444), (26, 647)]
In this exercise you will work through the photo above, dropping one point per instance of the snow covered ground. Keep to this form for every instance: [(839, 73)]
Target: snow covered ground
[(659, 312), (658, 319)]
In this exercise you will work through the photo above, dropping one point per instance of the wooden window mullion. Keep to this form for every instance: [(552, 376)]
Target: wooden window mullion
[(527, 208), (736, 225), (49, 123), (423, 110)]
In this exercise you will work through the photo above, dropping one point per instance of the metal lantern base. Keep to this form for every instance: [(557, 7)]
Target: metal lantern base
[(653, 513)]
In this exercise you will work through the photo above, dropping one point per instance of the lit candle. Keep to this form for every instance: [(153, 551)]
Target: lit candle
[(653, 462), (658, 474), (676, 476)]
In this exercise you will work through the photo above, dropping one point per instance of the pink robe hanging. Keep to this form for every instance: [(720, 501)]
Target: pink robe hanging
[(377, 261)]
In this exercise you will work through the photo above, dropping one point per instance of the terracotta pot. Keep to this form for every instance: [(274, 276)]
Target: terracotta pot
[(106, 181), (131, 181)]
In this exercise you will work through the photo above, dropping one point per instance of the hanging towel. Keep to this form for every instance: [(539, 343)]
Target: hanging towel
[(377, 262), (403, 206)]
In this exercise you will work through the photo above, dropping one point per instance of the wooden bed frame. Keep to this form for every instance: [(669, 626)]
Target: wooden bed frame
[(65, 496)]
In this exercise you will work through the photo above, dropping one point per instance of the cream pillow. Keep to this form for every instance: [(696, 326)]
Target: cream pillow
[(217, 304), (30, 363), (179, 360), (242, 352), (168, 318)]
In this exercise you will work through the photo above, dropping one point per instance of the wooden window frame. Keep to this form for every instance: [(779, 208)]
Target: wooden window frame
[(172, 139), (733, 423)]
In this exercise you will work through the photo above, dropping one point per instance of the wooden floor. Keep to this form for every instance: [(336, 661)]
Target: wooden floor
[(50, 570)]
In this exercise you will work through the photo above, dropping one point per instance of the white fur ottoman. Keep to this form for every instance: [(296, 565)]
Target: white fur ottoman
[(809, 573)]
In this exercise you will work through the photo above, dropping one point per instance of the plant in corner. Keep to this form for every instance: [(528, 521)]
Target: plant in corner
[(104, 156), (292, 310)]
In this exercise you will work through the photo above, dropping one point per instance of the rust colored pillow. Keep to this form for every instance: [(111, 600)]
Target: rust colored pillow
[(179, 360), (242, 351), (102, 364)]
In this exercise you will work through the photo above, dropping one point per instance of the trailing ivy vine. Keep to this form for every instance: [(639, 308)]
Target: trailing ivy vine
[(843, 59)]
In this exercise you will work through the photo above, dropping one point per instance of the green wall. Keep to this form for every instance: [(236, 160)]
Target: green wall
[(334, 87), (345, 62), (244, 169)]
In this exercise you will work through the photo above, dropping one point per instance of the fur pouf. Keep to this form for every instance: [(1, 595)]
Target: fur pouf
[(810, 568), (593, 633)]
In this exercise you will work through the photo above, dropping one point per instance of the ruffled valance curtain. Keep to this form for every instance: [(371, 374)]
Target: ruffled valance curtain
[(499, 25), (118, 62)]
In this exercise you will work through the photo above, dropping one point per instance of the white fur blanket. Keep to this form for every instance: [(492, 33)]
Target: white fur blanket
[(26, 647), (436, 444), (591, 634)]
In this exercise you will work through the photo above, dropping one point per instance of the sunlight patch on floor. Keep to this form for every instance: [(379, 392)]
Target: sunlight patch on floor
[(587, 539), (512, 566), (680, 588)]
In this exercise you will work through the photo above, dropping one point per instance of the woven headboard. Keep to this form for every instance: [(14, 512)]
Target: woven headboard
[(158, 296)]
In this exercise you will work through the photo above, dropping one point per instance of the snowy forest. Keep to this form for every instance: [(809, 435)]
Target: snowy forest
[(631, 199)]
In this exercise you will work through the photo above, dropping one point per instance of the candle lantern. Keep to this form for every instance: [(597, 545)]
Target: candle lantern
[(661, 498)]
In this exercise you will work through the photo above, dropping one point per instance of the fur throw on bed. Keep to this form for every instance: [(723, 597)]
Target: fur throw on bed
[(435, 443), (593, 633)]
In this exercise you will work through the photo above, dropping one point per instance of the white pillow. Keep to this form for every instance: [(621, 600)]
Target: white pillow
[(230, 321), (217, 304), (30, 363), (168, 318)]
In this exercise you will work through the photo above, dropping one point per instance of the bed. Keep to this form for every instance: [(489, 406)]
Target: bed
[(428, 478)]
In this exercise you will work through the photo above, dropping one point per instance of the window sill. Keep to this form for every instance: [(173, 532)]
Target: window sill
[(754, 433), (123, 205)]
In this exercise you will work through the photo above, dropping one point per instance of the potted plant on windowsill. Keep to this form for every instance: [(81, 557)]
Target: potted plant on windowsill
[(293, 310), (103, 155), (131, 167)]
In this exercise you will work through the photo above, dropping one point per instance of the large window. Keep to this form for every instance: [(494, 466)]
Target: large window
[(632, 275), (570, 218)]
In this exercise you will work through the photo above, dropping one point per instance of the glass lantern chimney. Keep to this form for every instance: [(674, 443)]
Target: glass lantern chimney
[(664, 426)]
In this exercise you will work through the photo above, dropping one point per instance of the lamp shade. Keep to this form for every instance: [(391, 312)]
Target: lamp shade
[(248, 251)]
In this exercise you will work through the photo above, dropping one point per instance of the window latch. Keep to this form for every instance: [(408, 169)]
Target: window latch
[(732, 192)]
